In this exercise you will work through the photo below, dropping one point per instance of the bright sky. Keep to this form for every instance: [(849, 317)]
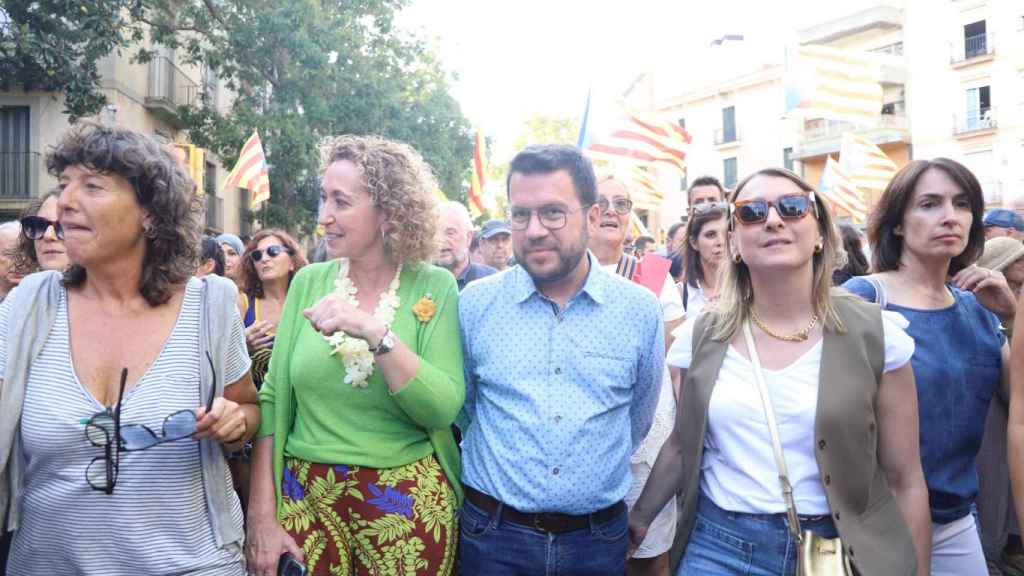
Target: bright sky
[(519, 58)]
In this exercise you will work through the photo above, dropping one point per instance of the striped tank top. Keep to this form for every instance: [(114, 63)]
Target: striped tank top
[(156, 521)]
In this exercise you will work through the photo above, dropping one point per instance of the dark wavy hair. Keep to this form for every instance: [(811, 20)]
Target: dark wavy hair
[(887, 217), (254, 286), (694, 272), (162, 188), (23, 255)]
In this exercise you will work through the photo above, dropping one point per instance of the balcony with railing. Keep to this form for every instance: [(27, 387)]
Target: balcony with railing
[(19, 172), (976, 48), (822, 136), (169, 88), (727, 137), (975, 123), (214, 213)]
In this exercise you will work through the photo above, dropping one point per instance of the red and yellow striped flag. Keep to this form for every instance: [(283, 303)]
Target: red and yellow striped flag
[(250, 172), (865, 163), (837, 189), (479, 179), (643, 140)]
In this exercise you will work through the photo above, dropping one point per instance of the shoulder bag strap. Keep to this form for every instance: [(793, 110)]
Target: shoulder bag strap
[(769, 414), (881, 298)]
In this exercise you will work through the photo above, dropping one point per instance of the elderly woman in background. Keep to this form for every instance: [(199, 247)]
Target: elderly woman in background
[(114, 369), (355, 469), (233, 251), (41, 246)]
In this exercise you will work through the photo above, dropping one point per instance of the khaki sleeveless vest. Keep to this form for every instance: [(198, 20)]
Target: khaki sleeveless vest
[(845, 438)]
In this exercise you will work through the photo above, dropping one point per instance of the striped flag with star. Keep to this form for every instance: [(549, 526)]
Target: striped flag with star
[(251, 171), (839, 191), (865, 163)]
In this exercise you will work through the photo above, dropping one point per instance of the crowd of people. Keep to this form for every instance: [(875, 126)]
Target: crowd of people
[(544, 395)]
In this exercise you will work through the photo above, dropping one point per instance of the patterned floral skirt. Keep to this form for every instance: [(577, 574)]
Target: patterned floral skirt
[(374, 522)]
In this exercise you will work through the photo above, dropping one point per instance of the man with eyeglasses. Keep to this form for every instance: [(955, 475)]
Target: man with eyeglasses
[(456, 236), (563, 365), (9, 232)]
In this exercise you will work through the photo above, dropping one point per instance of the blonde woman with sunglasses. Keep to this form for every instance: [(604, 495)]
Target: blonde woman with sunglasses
[(837, 377)]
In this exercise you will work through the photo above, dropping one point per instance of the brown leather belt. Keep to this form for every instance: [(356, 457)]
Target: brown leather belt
[(542, 521)]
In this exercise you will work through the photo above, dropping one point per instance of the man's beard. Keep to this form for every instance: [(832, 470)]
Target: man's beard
[(568, 259)]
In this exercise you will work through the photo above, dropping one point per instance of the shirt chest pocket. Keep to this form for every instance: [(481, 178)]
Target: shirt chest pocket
[(609, 374)]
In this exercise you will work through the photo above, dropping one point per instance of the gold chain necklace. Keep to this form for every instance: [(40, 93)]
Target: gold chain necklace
[(798, 336)]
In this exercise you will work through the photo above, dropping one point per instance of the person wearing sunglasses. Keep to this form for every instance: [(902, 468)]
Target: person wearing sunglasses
[(927, 232), (616, 206), (835, 370), (41, 246), (365, 381), (704, 253), (125, 379), (270, 262)]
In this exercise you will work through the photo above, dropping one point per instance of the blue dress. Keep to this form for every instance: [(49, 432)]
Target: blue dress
[(957, 365)]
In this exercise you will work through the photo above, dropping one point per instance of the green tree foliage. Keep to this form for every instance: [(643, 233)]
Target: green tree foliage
[(300, 70)]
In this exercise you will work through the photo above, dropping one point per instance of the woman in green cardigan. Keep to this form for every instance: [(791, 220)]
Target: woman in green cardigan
[(355, 470)]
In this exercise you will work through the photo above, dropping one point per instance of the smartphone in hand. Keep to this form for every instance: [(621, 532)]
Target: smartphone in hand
[(289, 566)]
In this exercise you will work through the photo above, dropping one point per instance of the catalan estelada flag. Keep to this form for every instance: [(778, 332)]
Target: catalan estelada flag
[(250, 171), (476, 186), (865, 163), (827, 82), (841, 193)]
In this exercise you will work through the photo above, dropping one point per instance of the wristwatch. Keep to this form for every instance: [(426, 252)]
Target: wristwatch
[(387, 342)]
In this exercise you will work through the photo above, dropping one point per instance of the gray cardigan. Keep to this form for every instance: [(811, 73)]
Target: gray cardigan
[(32, 314)]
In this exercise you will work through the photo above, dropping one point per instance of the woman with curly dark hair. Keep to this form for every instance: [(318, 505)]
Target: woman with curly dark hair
[(125, 380), (355, 467), (41, 244)]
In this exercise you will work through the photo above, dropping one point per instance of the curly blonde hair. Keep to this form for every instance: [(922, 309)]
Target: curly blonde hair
[(401, 185)]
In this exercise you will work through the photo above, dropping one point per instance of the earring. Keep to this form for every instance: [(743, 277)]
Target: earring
[(148, 231), (818, 248), (737, 258)]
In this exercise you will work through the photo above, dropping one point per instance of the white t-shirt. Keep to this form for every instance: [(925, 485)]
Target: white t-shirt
[(738, 467)]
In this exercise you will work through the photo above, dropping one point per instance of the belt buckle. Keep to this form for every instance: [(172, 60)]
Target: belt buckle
[(550, 522)]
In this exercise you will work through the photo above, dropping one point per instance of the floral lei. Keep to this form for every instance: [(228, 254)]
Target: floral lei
[(355, 352)]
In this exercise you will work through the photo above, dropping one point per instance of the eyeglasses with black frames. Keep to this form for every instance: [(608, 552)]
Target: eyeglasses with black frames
[(104, 430)]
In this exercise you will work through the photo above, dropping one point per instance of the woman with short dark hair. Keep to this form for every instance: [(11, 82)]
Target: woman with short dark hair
[(41, 244), (112, 372), (926, 233)]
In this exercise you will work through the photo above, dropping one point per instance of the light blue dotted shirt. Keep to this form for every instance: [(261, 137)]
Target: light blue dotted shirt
[(557, 400)]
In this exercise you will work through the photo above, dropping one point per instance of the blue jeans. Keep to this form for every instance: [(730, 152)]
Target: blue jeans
[(734, 543), (491, 546)]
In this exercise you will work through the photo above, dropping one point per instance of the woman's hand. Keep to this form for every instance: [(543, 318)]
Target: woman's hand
[(224, 423), (637, 533), (332, 314), (259, 335), (265, 542), (991, 290)]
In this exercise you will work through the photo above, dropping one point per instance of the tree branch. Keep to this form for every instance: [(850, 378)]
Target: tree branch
[(216, 15)]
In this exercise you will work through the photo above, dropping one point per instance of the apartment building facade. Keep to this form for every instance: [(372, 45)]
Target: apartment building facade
[(140, 96), (952, 77)]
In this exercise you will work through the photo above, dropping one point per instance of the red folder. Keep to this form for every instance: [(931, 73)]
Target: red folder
[(651, 272)]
